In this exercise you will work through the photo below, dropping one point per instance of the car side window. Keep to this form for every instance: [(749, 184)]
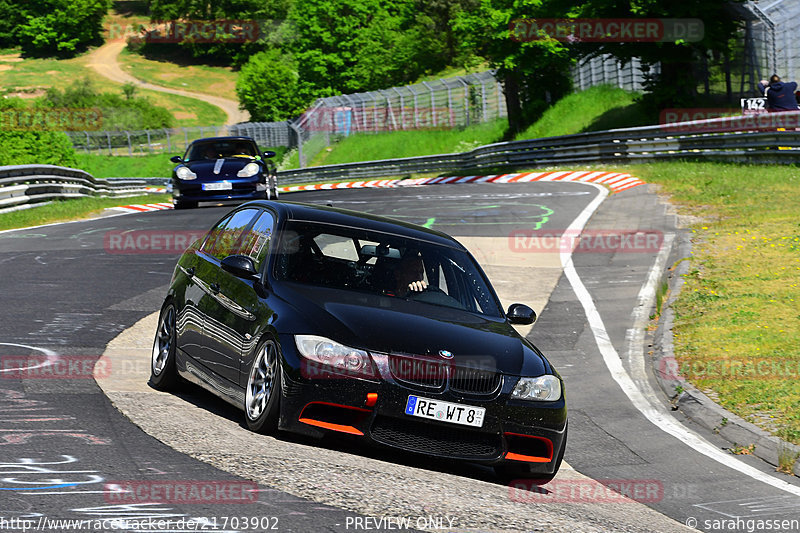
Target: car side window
[(255, 243), (211, 237), (223, 239)]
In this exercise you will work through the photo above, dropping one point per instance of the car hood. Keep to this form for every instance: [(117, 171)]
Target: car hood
[(229, 167), (391, 325)]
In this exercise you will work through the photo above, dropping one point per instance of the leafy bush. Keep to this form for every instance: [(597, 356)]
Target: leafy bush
[(36, 147), (118, 112), (269, 87), (54, 27)]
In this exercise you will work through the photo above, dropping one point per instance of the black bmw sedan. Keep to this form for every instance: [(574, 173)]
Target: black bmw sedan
[(222, 169), (317, 320)]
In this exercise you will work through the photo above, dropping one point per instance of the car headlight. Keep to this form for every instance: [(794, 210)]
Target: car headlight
[(337, 356), (545, 388), (250, 169), (184, 173)]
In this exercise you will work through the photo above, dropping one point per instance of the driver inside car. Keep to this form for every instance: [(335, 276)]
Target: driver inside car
[(409, 276)]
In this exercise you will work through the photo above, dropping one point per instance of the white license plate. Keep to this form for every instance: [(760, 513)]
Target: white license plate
[(224, 186), (455, 413)]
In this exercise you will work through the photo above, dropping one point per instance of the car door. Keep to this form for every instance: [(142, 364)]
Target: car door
[(246, 300), (219, 339), (198, 270)]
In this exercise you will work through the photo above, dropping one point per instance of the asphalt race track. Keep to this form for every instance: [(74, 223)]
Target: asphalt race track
[(67, 450)]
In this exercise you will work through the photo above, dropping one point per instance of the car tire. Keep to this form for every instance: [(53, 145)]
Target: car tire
[(510, 471), (263, 391), (185, 205), (163, 372)]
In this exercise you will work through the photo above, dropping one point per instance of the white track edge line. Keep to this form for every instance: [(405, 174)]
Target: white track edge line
[(661, 420)]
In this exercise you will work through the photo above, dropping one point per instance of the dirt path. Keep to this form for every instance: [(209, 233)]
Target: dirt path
[(104, 61)]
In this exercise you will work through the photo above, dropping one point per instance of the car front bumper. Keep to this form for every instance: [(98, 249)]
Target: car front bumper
[(241, 189), (513, 430)]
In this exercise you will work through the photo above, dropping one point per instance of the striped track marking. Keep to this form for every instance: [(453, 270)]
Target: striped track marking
[(615, 181), (141, 208)]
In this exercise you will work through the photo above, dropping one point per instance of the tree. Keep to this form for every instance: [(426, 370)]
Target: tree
[(10, 20), (270, 89), (361, 45), (532, 73), (59, 27), (676, 85), (222, 48)]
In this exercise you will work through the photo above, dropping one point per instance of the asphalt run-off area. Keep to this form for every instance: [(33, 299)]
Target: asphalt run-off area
[(94, 442)]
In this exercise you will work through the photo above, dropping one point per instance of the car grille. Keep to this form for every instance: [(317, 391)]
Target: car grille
[(418, 371), (474, 381), (434, 439), (430, 374)]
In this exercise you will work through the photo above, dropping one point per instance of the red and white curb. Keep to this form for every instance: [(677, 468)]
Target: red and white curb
[(615, 181), (142, 208)]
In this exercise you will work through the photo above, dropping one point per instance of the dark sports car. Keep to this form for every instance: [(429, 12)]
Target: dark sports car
[(318, 320), (222, 169)]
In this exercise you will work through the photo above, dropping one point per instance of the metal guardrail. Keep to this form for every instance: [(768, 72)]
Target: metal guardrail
[(741, 139), (30, 184), (719, 139)]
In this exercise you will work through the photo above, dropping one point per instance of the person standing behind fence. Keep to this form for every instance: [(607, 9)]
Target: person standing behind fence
[(780, 96)]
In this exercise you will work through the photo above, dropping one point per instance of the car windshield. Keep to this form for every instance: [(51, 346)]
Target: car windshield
[(379, 263), (221, 149)]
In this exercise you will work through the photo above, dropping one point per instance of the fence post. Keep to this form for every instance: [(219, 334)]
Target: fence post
[(169, 142), (499, 99), (130, 147), (416, 109), (450, 106), (299, 134), (466, 99), (433, 102), (483, 101), (87, 141), (402, 109), (374, 112), (149, 146), (108, 138)]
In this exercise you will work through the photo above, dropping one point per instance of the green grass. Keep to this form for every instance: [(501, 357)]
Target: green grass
[(72, 209), (599, 108), (138, 166), (741, 300), (31, 77), (109, 166), (172, 72), (368, 147)]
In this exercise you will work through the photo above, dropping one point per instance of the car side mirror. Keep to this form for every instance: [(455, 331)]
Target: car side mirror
[(176, 159), (521, 314), (269, 153), (240, 266)]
